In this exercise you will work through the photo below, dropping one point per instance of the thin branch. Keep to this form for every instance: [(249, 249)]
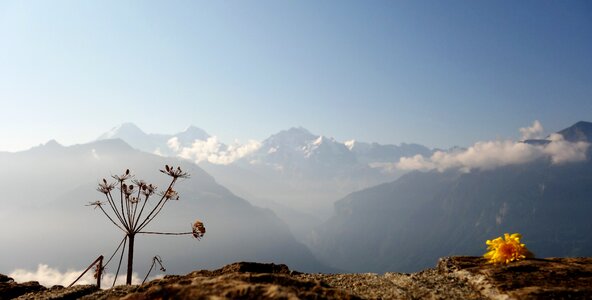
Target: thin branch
[(115, 252), (110, 219), (145, 222), (136, 207), (153, 216), (120, 260), (155, 259), (140, 214), (149, 270), (90, 266), (127, 206), (112, 204), (121, 200), (165, 233), (119, 215)]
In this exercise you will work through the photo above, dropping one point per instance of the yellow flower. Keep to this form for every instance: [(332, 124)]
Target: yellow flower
[(506, 249)]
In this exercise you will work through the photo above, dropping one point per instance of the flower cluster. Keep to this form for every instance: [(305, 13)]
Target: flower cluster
[(175, 173), (170, 194), (506, 249), (127, 189), (147, 188), (131, 214), (121, 178), (105, 187)]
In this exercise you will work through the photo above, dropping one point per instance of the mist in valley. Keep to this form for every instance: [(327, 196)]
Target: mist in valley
[(334, 136)]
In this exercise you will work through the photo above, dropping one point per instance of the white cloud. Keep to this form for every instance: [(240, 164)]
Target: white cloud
[(174, 144), (562, 151), (48, 276), (493, 154), (533, 132), (211, 150)]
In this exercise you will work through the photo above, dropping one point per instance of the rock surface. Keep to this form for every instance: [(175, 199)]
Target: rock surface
[(453, 278), (10, 289)]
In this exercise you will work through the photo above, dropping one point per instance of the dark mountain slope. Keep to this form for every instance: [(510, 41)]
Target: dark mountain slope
[(407, 224)]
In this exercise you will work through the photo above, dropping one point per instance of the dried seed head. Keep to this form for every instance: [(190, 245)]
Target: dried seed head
[(175, 173), (170, 194), (105, 187), (123, 177), (198, 229), (149, 190), (140, 183)]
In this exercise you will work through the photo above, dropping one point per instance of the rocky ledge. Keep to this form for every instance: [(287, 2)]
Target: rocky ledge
[(453, 278)]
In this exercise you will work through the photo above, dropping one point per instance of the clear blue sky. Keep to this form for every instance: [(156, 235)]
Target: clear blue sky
[(440, 73)]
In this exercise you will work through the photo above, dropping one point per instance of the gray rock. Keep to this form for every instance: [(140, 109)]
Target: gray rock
[(10, 289), (459, 277)]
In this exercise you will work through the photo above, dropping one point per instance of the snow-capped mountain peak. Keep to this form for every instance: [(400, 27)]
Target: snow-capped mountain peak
[(191, 134), (123, 130), (318, 141), (350, 144)]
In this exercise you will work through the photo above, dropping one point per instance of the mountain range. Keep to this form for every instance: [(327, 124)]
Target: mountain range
[(405, 225), (298, 198), (47, 189), (297, 174)]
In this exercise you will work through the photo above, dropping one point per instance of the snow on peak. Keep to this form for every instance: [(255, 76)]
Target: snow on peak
[(125, 129), (350, 144), (194, 130), (318, 141), (52, 143)]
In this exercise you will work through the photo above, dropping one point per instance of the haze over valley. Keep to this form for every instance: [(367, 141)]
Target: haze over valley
[(343, 209), (334, 136)]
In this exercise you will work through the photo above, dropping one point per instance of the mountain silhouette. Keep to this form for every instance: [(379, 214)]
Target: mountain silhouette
[(407, 224)]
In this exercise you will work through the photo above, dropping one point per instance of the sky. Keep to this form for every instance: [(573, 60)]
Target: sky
[(438, 73)]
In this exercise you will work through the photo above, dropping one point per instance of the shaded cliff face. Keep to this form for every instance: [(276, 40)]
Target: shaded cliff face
[(453, 278), (408, 224)]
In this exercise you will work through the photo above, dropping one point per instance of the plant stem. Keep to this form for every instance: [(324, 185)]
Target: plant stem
[(130, 258)]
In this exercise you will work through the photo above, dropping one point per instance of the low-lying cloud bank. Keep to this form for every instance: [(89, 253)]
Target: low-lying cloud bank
[(211, 150), (48, 276), (492, 154)]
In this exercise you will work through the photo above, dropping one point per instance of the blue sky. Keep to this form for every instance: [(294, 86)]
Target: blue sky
[(439, 73)]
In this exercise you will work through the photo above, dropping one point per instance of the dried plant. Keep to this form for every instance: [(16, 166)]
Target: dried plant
[(129, 214)]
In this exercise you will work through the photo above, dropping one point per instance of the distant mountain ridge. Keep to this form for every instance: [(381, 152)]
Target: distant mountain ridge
[(151, 142), (293, 167), (406, 224), (283, 149), (580, 131), (46, 191)]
